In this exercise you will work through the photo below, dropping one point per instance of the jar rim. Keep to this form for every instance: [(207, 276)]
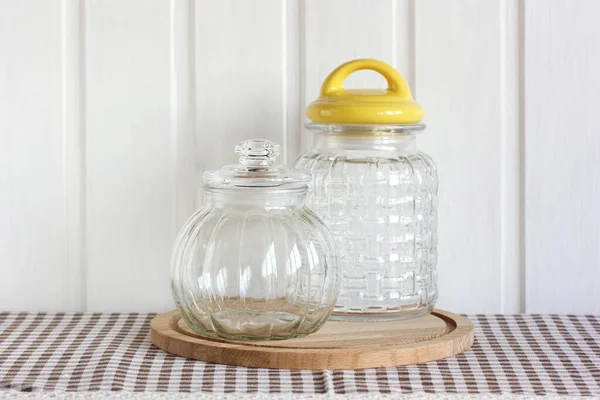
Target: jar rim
[(257, 190), (366, 129)]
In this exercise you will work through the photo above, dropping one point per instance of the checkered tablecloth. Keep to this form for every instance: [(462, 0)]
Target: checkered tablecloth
[(512, 354)]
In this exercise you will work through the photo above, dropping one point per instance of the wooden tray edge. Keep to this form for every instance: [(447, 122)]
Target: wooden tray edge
[(455, 342)]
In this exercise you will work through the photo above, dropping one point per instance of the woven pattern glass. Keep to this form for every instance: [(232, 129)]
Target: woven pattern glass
[(377, 193)]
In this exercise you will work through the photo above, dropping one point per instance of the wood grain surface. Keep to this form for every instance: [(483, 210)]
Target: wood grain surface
[(338, 345)]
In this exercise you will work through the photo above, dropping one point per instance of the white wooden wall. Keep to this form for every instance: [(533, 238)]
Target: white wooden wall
[(110, 110)]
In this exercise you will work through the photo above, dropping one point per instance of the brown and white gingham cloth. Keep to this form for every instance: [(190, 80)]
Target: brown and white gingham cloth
[(512, 354)]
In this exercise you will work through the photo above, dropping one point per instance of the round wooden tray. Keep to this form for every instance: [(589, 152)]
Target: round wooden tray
[(337, 345)]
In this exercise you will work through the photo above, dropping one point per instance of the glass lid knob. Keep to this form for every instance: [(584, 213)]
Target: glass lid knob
[(257, 153), (256, 168)]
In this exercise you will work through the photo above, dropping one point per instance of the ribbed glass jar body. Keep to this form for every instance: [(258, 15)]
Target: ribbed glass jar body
[(377, 193), (255, 265)]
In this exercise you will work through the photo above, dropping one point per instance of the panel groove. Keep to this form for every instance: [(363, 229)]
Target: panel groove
[(304, 139), (73, 123), (510, 161), (403, 31), (395, 38), (292, 72), (412, 49), (183, 106), (197, 177), (285, 100), (522, 161)]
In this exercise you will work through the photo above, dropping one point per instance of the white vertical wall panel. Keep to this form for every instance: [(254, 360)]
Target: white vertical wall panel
[(111, 110), (39, 158), (183, 108), (241, 76), (512, 254), (562, 154), (459, 67), (132, 153), (293, 92)]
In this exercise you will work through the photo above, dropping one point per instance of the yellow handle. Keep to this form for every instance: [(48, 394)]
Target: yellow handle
[(367, 106), (334, 83)]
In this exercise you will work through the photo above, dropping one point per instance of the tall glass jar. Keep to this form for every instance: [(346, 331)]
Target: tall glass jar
[(254, 263), (377, 193)]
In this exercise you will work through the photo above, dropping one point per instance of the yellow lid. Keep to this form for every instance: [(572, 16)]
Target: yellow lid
[(393, 105)]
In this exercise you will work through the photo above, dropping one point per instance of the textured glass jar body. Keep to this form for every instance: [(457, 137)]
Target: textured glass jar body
[(256, 265), (378, 196)]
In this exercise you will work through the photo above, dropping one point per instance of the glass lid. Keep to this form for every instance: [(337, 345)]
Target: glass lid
[(256, 169)]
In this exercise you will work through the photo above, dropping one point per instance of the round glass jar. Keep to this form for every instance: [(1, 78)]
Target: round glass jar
[(377, 193), (254, 263)]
